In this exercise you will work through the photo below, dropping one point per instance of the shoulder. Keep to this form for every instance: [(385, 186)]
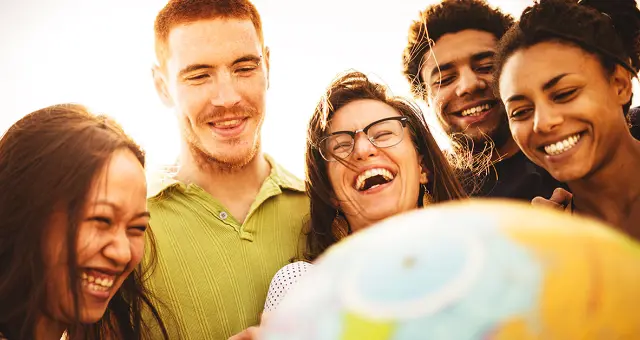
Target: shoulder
[(284, 280), (283, 177)]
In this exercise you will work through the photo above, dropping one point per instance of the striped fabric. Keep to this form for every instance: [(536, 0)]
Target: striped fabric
[(213, 273)]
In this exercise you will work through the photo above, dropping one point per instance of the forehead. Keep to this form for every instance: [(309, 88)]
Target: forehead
[(360, 113), (215, 41), (458, 48), (532, 67)]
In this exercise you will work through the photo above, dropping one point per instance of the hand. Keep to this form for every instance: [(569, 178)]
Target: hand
[(251, 333), (560, 200)]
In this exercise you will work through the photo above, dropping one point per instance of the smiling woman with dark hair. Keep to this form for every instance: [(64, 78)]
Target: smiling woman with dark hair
[(565, 75), (370, 155), (73, 223)]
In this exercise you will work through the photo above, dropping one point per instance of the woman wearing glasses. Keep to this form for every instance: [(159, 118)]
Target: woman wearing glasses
[(369, 156)]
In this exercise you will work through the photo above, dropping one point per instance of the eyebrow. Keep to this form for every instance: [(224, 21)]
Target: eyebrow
[(474, 58), (195, 67), (116, 208), (549, 84)]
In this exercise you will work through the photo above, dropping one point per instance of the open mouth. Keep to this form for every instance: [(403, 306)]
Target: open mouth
[(227, 124), (477, 110), (373, 178), (562, 146), (97, 281)]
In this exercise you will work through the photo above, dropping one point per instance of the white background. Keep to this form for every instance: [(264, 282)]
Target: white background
[(99, 53)]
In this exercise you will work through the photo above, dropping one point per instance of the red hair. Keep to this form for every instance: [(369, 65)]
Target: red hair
[(177, 12)]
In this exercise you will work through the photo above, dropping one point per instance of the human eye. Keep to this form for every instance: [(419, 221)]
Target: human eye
[(520, 113), (196, 79), (564, 95), (485, 68), (444, 80), (246, 69), (137, 229)]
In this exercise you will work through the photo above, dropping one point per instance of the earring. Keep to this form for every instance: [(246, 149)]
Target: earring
[(426, 197), (339, 226)]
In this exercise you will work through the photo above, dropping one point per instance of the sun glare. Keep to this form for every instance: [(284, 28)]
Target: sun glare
[(100, 53)]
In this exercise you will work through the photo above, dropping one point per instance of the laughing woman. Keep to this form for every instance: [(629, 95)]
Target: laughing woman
[(73, 219), (565, 75), (369, 156)]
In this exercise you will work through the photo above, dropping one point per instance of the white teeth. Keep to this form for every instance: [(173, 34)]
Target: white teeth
[(475, 111), (562, 146), (90, 280), (228, 123), (370, 173)]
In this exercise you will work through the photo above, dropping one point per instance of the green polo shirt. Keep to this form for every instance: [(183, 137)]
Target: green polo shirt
[(213, 272)]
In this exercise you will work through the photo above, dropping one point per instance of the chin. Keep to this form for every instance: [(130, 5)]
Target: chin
[(92, 315), (380, 213), (568, 174)]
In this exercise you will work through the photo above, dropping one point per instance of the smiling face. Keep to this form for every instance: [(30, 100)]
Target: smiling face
[(565, 111), (216, 78), (110, 241), (458, 82), (385, 181)]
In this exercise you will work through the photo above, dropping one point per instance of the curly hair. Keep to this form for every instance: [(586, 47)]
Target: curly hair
[(448, 16), (610, 30)]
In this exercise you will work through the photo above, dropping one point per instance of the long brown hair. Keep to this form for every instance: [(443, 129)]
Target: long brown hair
[(352, 86), (49, 159)]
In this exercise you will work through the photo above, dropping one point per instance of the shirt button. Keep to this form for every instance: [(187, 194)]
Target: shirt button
[(223, 215)]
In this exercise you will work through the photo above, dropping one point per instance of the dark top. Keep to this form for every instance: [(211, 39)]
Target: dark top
[(518, 178)]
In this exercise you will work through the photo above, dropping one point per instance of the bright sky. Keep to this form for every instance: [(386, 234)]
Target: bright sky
[(99, 53)]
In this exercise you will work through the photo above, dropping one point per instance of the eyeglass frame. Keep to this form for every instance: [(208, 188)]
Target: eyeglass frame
[(402, 119)]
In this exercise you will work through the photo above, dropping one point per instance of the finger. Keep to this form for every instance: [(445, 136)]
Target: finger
[(264, 317), (541, 201), (561, 196), (244, 335)]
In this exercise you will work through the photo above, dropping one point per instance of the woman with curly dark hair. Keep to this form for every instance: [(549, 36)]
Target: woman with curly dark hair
[(564, 73)]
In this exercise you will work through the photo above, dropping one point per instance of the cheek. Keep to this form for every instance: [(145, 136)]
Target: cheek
[(336, 172), (521, 133), (191, 100), (254, 93), (88, 243), (137, 250)]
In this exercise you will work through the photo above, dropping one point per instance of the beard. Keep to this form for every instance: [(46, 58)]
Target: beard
[(479, 141), (224, 163), (229, 155)]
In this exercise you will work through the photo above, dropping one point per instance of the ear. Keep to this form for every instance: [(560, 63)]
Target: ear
[(335, 202), (621, 81), (160, 82), (424, 172), (267, 63)]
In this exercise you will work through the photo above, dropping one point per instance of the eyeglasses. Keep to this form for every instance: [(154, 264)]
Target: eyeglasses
[(382, 133)]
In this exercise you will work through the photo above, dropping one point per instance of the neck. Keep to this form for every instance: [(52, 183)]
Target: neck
[(609, 192), (218, 179), (234, 187), (49, 329)]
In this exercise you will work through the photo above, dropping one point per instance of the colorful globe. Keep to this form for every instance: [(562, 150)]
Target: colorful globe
[(483, 269)]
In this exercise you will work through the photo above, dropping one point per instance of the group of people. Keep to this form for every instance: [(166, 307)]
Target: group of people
[(537, 109)]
